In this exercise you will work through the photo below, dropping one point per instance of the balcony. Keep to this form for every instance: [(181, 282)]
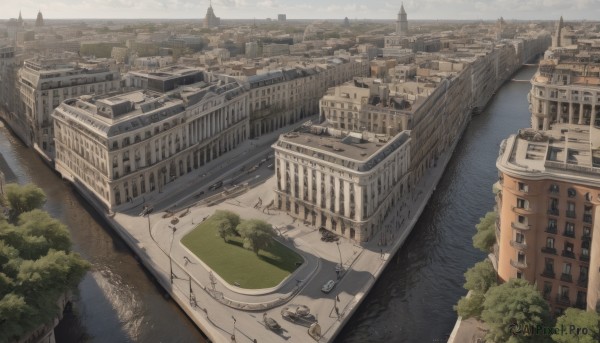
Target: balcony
[(566, 277), (522, 209), (517, 264), (549, 250), (547, 296), (582, 282), (563, 300), (520, 226), (548, 274), (571, 214), (582, 305), (570, 234), (584, 258), (518, 245), (551, 229), (553, 211), (568, 254), (587, 218)]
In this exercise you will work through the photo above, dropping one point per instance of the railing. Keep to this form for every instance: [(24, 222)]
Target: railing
[(587, 218), (571, 214), (584, 258), (551, 229), (566, 277), (518, 245), (563, 300), (582, 282), (582, 305), (549, 274), (568, 254), (570, 234), (553, 211), (549, 250), (517, 264)]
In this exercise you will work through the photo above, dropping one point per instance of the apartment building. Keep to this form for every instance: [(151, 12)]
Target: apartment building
[(46, 82), (345, 182), (127, 146)]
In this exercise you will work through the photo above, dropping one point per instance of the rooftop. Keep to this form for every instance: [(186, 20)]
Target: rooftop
[(357, 151)]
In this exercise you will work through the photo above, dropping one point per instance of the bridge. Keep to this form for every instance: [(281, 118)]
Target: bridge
[(517, 80)]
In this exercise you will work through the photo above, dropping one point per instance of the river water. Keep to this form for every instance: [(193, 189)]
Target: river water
[(412, 301)]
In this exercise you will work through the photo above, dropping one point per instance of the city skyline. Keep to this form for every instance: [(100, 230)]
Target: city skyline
[(310, 9)]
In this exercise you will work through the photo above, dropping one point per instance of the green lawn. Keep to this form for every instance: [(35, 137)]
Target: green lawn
[(233, 263)]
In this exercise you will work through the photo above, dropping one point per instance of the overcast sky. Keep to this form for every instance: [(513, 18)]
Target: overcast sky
[(305, 9)]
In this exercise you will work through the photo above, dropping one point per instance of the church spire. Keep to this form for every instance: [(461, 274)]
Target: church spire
[(402, 11)]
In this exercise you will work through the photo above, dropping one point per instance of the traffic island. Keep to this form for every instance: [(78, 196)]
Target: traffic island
[(236, 265)]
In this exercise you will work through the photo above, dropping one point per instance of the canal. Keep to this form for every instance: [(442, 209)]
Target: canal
[(412, 301)]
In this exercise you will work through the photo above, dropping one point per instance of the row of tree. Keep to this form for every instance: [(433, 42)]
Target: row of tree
[(515, 309), (256, 234), (37, 265)]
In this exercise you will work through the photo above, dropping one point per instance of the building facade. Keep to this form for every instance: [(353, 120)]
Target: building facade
[(125, 147), (45, 83), (345, 182)]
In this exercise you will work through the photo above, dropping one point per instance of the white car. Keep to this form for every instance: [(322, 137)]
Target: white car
[(328, 286)]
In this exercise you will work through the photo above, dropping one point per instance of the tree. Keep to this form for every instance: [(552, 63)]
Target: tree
[(470, 306), (36, 265), (586, 321), (481, 277), (23, 198), (515, 302), (485, 237), (257, 234), (227, 223)]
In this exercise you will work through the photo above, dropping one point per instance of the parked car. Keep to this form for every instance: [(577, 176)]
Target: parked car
[(216, 185), (199, 194), (328, 286)]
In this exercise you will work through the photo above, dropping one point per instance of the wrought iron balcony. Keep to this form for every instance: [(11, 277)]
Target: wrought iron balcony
[(587, 218), (551, 229), (548, 273), (553, 211), (584, 258), (582, 305), (570, 234), (571, 214), (563, 300), (549, 250), (569, 254), (582, 282), (566, 277)]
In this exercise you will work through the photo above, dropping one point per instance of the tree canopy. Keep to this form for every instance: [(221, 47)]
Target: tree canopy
[(36, 264), (485, 237), (514, 302), (22, 199), (577, 326), (257, 234), (479, 279), (227, 223)]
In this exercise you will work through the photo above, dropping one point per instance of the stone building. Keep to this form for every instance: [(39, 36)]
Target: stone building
[(211, 20), (45, 82), (39, 21), (402, 22), (345, 182), (549, 188), (124, 147)]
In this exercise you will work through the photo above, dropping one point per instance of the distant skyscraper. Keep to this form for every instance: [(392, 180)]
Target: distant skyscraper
[(281, 17), (211, 20), (402, 22), (39, 21), (346, 22)]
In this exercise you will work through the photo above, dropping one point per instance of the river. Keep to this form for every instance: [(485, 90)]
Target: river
[(412, 301)]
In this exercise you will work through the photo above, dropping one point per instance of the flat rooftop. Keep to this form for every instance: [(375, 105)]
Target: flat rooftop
[(352, 150), (563, 150)]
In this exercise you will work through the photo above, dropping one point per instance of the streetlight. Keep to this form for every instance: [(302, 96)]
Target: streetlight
[(233, 335), (171, 248)]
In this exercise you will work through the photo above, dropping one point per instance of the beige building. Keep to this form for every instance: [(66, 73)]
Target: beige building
[(548, 209), (549, 190), (345, 182), (124, 147), (45, 83)]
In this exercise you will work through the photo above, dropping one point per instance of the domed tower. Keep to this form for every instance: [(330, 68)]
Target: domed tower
[(402, 22), (39, 21)]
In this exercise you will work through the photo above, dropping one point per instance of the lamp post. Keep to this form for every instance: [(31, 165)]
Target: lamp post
[(171, 248), (233, 335)]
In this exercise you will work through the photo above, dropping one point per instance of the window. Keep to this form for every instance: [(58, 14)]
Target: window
[(547, 289), (571, 209), (523, 187), (520, 238), (521, 257), (587, 231), (585, 250), (519, 275), (566, 268), (570, 230), (549, 266), (521, 203), (563, 291), (522, 219), (550, 242), (552, 225), (571, 192), (554, 188)]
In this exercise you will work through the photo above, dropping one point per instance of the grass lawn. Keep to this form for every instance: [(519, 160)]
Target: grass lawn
[(233, 263)]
